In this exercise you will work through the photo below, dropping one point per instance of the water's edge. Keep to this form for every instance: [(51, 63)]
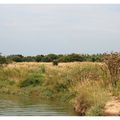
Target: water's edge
[(33, 106)]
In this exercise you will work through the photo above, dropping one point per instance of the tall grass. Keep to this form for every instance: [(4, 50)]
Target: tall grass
[(113, 63), (85, 82), (13, 78), (90, 99)]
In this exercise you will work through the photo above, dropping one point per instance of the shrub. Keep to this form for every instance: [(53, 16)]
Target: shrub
[(33, 79), (113, 62), (3, 60), (55, 62)]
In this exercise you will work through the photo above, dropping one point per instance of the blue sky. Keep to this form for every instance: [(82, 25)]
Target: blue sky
[(61, 29)]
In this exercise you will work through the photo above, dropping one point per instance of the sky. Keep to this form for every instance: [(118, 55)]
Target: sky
[(60, 29)]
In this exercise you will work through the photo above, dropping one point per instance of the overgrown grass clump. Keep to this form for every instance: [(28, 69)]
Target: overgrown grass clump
[(90, 99), (112, 61), (33, 79)]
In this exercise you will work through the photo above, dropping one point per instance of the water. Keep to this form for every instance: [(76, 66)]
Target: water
[(33, 106)]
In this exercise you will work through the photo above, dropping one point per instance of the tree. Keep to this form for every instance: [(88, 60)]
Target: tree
[(38, 58), (46, 59), (52, 56), (16, 58), (71, 58), (29, 59), (76, 57), (3, 60)]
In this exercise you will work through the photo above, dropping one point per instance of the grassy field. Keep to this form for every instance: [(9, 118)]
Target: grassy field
[(85, 85)]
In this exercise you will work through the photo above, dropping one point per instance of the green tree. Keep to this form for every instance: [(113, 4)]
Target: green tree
[(46, 59), (16, 58), (38, 58), (52, 56), (3, 60)]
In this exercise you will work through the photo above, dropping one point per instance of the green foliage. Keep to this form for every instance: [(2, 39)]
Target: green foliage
[(3, 60), (61, 58), (28, 59), (76, 57), (96, 110), (4, 83), (48, 93), (39, 58), (64, 58), (33, 79), (61, 88), (55, 62), (46, 59), (42, 68), (16, 58), (53, 56), (71, 58)]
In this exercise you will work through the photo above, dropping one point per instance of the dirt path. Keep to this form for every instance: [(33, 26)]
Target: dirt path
[(112, 107)]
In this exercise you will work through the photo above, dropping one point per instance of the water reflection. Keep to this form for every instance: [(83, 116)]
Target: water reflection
[(32, 106)]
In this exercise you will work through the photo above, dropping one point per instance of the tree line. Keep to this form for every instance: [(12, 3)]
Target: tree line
[(52, 57)]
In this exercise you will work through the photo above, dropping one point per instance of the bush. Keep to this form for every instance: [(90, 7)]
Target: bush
[(113, 62), (33, 79), (55, 62), (3, 60)]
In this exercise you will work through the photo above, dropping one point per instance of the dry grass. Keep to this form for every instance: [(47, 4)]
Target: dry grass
[(90, 98), (67, 81)]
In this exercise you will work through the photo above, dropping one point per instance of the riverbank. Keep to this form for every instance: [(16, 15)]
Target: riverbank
[(85, 85)]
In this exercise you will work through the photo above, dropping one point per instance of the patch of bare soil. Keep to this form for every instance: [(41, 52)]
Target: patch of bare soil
[(112, 107)]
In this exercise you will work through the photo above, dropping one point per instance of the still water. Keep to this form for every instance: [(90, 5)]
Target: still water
[(33, 106)]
